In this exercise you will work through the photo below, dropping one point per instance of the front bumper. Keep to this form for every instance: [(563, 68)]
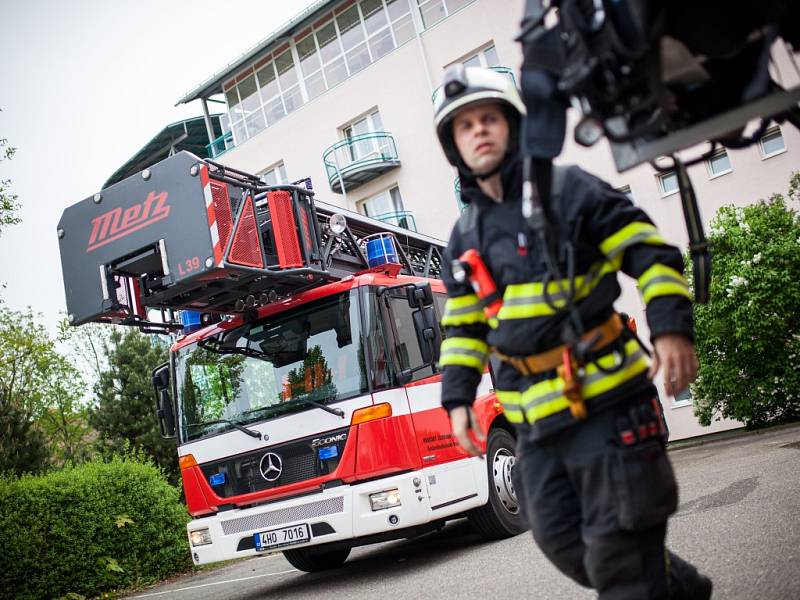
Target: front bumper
[(333, 515)]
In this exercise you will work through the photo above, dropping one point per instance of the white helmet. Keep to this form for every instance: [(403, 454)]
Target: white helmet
[(462, 86)]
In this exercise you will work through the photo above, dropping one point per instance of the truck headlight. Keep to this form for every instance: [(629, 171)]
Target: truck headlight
[(385, 499), (200, 537)]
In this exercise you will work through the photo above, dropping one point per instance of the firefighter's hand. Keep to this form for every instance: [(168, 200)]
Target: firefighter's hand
[(463, 420), (675, 354)]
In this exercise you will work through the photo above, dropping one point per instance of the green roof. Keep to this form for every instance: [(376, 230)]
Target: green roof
[(190, 135)]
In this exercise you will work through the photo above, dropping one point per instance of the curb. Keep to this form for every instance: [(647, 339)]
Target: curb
[(710, 438)]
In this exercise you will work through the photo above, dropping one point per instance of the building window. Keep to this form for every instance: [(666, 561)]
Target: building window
[(719, 164), (667, 183), (275, 175), (326, 56), (772, 143), (683, 399), (433, 11), (626, 189), (387, 207), (363, 146), (483, 58)]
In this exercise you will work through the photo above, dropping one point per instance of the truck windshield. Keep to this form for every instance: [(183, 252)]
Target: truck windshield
[(272, 367)]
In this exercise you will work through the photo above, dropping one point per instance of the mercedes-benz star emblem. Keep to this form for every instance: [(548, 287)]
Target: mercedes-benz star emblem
[(271, 466)]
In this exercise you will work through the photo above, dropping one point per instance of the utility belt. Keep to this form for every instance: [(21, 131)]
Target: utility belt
[(606, 332), (567, 362)]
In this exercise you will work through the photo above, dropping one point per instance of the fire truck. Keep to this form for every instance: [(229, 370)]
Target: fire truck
[(302, 386)]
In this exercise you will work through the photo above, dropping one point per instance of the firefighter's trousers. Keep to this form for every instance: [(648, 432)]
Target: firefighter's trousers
[(598, 509)]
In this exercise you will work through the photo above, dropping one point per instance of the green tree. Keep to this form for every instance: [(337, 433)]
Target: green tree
[(748, 335), (65, 420), (22, 446), (8, 201), (123, 413), (39, 393)]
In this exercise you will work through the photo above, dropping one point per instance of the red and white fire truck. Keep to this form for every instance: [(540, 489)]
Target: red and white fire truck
[(302, 386)]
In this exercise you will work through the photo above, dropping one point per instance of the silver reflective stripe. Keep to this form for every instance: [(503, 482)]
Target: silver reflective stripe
[(463, 310), (634, 239), (464, 351), (542, 399), (662, 279)]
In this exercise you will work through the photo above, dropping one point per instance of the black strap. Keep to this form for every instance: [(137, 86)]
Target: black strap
[(698, 245)]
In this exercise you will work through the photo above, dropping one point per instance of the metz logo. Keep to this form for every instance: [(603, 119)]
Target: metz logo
[(117, 223)]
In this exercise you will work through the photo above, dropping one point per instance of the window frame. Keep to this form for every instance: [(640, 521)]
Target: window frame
[(717, 154), (395, 201), (279, 168), (769, 132), (660, 177), (448, 12), (480, 54), (626, 189), (680, 401)]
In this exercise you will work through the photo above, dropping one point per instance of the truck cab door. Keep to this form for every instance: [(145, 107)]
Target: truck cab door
[(448, 476)]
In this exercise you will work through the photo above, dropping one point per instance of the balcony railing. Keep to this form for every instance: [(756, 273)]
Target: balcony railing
[(359, 159), (220, 145), (457, 190), (404, 219), (507, 72)]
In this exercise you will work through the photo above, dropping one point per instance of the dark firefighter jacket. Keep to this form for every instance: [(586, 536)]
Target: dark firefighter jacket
[(610, 234)]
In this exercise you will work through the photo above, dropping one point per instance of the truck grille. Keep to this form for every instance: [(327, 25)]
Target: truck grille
[(320, 508), (299, 460)]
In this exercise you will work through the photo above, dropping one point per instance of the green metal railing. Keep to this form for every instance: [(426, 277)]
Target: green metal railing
[(507, 72), (403, 218), (220, 145), (358, 152), (457, 190)]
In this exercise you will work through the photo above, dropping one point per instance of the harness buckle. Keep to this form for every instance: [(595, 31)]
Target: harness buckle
[(568, 371)]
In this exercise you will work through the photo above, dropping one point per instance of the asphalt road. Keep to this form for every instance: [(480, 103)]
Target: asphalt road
[(738, 522)]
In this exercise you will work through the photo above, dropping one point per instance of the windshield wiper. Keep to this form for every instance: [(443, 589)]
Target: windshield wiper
[(250, 432), (334, 411)]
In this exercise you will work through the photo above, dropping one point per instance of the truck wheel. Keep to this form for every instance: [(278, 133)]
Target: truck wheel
[(316, 558), (500, 517)]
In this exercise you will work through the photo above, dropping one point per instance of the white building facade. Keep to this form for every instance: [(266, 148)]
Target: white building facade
[(342, 95)]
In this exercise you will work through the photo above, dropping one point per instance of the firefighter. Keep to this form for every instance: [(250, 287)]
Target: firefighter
[(592, 475)]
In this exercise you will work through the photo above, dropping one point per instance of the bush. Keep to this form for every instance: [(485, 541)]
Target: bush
[(89, 529), (748, 336)]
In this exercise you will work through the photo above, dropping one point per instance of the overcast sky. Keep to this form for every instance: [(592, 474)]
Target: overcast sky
[(84, 84)]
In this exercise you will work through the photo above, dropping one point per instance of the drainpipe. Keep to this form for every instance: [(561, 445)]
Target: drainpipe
[(418, 27), (209, 128)]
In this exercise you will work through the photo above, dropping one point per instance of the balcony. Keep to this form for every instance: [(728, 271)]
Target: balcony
[(220, 145), (359, 159), (404, 219), (457, 189), (507, 72)]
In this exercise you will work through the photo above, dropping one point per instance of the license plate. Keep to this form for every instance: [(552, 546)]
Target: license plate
[(283, 536)]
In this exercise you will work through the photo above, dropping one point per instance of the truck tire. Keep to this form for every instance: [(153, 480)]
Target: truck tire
[(500, 517), (316, 558)]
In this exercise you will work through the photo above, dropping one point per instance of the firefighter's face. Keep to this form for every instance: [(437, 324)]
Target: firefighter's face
[(480, 133)]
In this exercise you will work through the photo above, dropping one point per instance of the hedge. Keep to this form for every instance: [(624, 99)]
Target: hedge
[(89, 529)]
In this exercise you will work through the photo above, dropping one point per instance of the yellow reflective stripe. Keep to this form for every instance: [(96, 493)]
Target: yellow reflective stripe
[(463, 310), (511, 405), (546, 398), (527, 300), (661, 280), (633, 233), (463, 351)]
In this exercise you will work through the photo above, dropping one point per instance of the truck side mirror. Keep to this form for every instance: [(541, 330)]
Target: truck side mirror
[(429, 336), (419, 294), (165, 415)]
